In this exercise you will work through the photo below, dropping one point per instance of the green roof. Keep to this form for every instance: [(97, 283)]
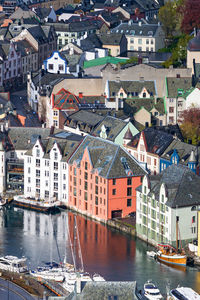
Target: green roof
[(103, 61)]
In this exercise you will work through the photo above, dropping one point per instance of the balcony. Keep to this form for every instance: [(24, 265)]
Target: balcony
[(15, 166)]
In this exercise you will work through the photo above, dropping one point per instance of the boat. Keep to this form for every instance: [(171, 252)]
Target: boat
[(97, 277), (13, 264), (149, 292), (183, 293), (170, 255), (152, 254), (48, 274), (48, 206), (3, 202)]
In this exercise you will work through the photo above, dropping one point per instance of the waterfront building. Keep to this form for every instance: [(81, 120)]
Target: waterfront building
[(102, 179), (46, 167), (164, 199)]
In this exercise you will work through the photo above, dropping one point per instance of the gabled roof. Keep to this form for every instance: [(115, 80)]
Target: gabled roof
[(136, 29), (182, 184), (110, 38), (109, 159), (113, 127), (183, 150), (156, 141), (132, 87)]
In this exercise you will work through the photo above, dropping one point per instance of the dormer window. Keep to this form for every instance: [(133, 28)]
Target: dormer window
[(144, 95)]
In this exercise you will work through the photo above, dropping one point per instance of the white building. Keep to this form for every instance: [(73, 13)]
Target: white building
[(142, 36), (163, 200), (56, 64), (46, 168)]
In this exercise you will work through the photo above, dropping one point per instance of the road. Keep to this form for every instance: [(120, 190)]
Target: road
[(10, 291)]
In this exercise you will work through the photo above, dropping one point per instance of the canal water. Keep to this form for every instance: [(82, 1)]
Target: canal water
[(43, 238)]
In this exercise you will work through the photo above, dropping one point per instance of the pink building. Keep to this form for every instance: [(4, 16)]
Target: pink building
[(102, 179)]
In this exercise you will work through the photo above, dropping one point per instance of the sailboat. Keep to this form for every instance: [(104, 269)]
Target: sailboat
[(170, 255)]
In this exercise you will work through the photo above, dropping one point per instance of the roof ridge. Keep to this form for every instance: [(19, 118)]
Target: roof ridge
[(118, 147)]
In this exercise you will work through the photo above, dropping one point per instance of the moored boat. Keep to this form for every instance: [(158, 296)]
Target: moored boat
[(48, 274), (168, 254), (149, 292), (48, 206), (13, 264), (183, 293)]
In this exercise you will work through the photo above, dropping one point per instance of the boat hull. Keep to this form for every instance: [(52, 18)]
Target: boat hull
[(174, 260), (37, 207)]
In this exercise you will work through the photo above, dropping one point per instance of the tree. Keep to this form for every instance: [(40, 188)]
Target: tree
[(179, 51), (190, 124), (167, 16), (190, 15)]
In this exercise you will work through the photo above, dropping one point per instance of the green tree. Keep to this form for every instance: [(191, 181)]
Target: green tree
[(169, 18)]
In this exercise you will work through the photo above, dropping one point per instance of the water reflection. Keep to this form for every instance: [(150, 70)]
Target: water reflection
[(105, 251)]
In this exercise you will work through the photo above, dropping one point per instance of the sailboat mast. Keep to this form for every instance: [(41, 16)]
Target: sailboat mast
[(79, 251), (177, 242), (72, 250)]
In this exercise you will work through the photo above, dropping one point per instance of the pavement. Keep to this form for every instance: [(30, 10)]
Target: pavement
[(10, 291)]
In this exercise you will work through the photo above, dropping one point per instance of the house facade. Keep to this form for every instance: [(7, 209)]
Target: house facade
[(162, 201), (97, 171), (148, 146), (142, 36), (55, 64), (46, 167)]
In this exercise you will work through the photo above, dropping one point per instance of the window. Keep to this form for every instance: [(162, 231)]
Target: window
[(114, 191), (46, 163), (86, 185), (29, 170), (114, 181), (55, 164), (129, 202), (60, 67), (139, 48), (86, 176), (129, 181), (37, 182), (55, 113), (132, 41), (55, 155), (140, 41), (50, 66), (64, 186), (96, 179), (46, 194), (55, 186), (171, 119), (37, 173), (55, 123), (147, 41), (64, 166), (171, 109), (37, 162), (129, 191), (151, 42), (46, 183), (46, 173), (74, 171), (86, 165), (64, 176), (29, 179), (96, 200), (85, 196), (37, 152), (96, 189), (55, 176), (193, 219)]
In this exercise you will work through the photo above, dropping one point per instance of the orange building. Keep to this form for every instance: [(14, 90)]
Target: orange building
[(102, 179)]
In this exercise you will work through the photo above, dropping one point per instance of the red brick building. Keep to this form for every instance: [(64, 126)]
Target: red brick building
[(102, 179)]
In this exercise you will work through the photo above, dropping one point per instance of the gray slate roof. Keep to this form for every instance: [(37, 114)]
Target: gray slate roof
[(132, 87), (173, 84), (182, 184), (109, 159), (135, 29), (183, 150), (124, 290), (156, 141), (84, 117), (113, 127), (110, 39)]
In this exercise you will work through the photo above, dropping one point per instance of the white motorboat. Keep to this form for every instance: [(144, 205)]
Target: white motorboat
[(13, 264), (183, 293), (97, 277), (48, 274), (151, 291)]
